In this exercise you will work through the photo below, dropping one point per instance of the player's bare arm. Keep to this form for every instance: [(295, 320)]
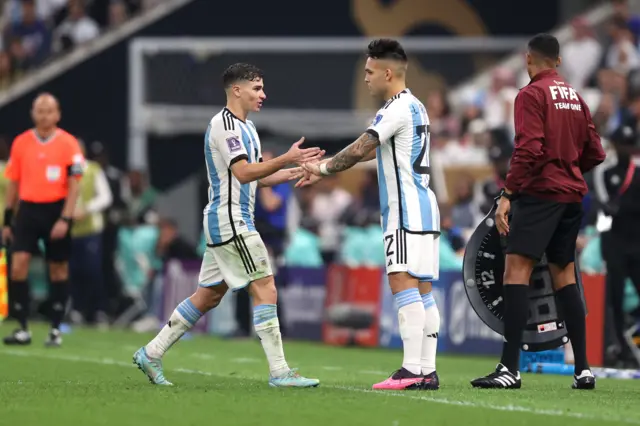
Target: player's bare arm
[(370, 156), (362, 148), (354, 153), (12, 195), (11, 203), (62, 226), (309, 178), (247, 172), (282, 176)]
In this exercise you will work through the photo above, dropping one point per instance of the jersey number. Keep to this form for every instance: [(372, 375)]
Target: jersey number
[(389, 239), (420, 166)]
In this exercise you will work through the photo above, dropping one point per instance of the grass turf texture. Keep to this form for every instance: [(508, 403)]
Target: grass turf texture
[(92, 381)]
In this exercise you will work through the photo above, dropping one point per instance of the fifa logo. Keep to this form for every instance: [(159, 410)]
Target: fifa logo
[(565, 93)]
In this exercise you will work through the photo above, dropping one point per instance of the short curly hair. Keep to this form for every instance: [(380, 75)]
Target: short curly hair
[(241, 72), (386, 48)]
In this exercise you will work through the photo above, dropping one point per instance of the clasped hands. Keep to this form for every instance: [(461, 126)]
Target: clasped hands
[(308, 161)]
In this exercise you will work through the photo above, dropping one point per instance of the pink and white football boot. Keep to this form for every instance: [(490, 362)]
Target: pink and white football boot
[(402, 379)]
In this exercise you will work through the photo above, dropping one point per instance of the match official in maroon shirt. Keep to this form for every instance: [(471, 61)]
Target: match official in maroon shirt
[(556, 144)]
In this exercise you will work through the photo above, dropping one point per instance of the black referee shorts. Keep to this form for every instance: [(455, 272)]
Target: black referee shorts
[(33, 222), (542, 226)]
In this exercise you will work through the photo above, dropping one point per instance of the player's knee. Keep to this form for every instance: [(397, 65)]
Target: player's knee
[(425, 287), (518, 269), (562, 274), (264, 291), (58, 271), (401, 281), (20, 266), (207, 298)]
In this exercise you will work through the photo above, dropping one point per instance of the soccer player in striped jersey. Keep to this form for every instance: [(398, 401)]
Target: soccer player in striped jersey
[(235, 257), (399, 139)]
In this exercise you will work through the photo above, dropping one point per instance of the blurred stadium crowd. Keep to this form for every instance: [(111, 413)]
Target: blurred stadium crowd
[(338, 219), (33, 32)]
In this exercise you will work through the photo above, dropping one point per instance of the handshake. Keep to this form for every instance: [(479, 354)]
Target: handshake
[(308, 162)]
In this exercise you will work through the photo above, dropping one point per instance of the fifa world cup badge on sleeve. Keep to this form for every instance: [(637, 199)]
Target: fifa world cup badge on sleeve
[(79, 164), (234, 144)]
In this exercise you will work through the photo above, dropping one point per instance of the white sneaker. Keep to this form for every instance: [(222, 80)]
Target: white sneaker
[(18, 337), (54, 338), (584, 380)]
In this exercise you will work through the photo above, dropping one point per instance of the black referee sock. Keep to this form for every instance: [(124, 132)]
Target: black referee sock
[(21, 301), (516, 315), (59, 296), (574, 318)]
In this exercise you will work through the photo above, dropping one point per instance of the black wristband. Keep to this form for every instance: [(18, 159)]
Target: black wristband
[(66, 219), (505, 194), (8, 216)]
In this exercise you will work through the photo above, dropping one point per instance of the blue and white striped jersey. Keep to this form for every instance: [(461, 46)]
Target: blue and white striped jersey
[(406, 201), (231, 204)]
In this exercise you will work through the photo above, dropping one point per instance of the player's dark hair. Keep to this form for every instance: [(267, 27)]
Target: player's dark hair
[(545, 45), (386, 48), (240, 72)]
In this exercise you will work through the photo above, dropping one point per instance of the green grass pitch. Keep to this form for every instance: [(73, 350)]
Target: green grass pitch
[(91, 381)]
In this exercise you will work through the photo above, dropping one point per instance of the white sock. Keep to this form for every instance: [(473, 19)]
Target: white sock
[(181, 320), (267, 326), (430, 334), (411, 324)]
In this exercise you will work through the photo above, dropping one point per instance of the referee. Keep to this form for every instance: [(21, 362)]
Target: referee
[(44, 168), (555, 144)]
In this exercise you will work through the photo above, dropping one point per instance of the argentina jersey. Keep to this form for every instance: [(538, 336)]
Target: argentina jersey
[(406, 201), (231, 204)]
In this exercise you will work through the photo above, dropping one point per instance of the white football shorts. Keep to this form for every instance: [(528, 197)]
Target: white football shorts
[(237, 263), (416, 254)]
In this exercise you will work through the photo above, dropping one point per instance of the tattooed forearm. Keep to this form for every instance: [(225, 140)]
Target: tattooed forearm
[(352, 154)]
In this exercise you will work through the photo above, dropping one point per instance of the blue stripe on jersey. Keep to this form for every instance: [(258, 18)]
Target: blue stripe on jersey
[(245, 189), (212, 215), (423, 195), (384, 195), (403, 197), (254, 152)]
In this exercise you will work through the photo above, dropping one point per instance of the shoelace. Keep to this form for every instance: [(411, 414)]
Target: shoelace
[(293, 373), (157, 368)]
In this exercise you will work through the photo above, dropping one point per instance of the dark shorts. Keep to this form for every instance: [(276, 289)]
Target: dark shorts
[(33, 222), (541, 226)]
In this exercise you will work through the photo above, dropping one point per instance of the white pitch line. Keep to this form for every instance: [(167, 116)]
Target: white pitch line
[(203, 356), (244, 360), (409, 395)]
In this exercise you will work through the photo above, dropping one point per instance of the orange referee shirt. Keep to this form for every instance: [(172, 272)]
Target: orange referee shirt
[(42, 167)]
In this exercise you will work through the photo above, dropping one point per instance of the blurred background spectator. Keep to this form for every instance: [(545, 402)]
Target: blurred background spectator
[(35, 32), (85, 267)]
